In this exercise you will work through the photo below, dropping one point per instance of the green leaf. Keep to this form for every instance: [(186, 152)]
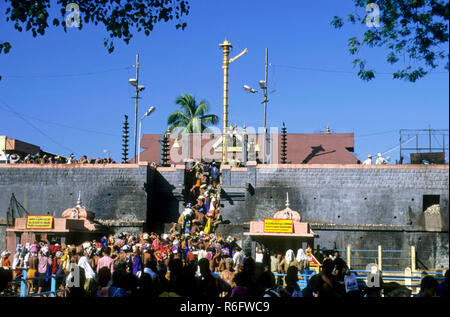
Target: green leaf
[(192, 117), (5, 47), (119, 17), (337, 22)]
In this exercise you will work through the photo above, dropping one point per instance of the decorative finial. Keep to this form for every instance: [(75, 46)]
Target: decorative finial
[(287, 200), (226, 44)]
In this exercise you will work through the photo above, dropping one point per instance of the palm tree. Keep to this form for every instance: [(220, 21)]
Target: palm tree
[(193, 118)]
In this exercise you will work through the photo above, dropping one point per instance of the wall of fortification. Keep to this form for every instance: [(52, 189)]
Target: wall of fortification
[(111, 191), (343, 198), (348, 194)]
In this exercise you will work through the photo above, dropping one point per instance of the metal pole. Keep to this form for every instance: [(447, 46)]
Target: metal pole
[(136, 108), (349, 256), (23, 283), (400, 140), (53, 286), (265, 89), (417, 143), (429, 136), (265, 104), (380, 258), (139, 153)]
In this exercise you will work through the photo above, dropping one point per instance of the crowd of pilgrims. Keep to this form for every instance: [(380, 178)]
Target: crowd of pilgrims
[(175, 265), (188, 261), (39, 158)]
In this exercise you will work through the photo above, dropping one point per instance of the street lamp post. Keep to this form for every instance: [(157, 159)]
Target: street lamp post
[(135, 83), (263, 85), (149, 111)]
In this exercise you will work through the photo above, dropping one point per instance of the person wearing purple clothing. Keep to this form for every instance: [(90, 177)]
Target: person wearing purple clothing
[(215, 172), (137, 261)]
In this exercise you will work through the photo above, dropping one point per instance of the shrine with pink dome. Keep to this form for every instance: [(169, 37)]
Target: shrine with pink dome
[(293, 233), (75, 225)]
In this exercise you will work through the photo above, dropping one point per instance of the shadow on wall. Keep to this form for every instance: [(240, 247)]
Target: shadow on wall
[(163, 207), (314, 152), (225, 196)]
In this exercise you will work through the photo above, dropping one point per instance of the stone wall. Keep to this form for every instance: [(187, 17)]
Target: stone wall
[(167, 196), (361, 205), (366, 205), (111, 191), (349, 194)]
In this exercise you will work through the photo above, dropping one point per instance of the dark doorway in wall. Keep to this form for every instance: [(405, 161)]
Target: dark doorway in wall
[(429, 200)]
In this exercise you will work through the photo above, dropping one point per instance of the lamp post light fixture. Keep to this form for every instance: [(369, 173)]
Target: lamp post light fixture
[(263, 85), (135, 83), (250, 89), (149, 111)]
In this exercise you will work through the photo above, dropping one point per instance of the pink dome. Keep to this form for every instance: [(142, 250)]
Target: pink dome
[(287, 214)]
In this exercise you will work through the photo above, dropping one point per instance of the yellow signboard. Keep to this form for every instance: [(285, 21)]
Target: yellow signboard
[(39, 222), (278, 225)]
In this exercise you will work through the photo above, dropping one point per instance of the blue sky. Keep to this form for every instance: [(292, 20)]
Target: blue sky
[(84, 114)]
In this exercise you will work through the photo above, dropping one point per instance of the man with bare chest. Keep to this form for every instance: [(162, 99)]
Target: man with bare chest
[(33, 262), (228, 273)]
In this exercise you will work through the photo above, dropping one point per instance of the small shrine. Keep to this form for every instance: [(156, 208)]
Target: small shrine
[(75, 225), (283, 231), (284, 223), (81, 213)]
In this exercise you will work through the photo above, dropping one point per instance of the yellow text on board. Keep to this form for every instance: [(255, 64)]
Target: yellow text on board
[(39, 222), (278, 225)]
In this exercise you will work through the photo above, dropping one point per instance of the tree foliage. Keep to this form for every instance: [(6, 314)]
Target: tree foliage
[(120, 17), (193, 117), (415, 33)]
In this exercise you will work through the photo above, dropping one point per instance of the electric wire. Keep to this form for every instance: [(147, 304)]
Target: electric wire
[(375, 133), (334, 71), (62, 125), (68, 75), (398, 146), (36, 128)]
